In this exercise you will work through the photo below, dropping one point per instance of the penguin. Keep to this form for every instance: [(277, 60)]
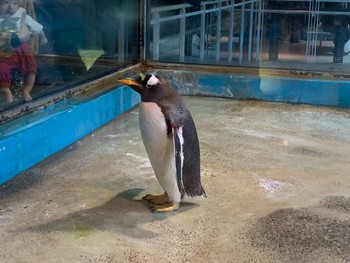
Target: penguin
[(171, 141)]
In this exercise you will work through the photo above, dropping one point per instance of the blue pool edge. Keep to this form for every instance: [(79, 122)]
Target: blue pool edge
[(32, 141)]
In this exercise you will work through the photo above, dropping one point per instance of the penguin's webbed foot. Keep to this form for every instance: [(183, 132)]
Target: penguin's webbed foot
[(166, 207), (157, 199)]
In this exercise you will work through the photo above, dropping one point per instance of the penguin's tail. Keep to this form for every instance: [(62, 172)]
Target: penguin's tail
[(197, 192)]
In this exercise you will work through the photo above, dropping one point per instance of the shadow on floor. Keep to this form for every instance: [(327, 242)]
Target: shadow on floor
[(121, 214)]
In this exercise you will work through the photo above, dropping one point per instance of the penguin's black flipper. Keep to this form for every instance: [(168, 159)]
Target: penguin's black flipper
[(179, 156)]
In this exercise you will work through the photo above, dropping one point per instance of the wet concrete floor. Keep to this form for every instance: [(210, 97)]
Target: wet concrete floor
[(277, 178)]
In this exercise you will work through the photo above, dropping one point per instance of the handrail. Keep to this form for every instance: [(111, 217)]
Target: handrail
[(181, 6), (278, 11), (217, 8), (205, 11), (169, 8), (175, 17), (266, 11)]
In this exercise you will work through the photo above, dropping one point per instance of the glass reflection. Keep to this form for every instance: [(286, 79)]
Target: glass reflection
[(62, 43), (291, 34)]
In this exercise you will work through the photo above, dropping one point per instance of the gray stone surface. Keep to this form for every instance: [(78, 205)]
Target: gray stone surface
[(276, 176)]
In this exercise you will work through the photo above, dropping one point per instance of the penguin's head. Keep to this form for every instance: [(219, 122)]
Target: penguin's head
[(144, 83), (152, 88)]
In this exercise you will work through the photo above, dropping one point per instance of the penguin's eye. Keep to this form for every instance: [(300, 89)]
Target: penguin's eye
[(152, 81)]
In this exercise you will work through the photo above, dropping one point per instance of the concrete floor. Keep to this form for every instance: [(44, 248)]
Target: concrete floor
[(276, 176)]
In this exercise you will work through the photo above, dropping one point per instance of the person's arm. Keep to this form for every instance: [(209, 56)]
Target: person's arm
[(43, 38), (23, 33), (34, 26)]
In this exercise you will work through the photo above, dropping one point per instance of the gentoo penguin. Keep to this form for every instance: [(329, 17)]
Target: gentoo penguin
[(170, 138)]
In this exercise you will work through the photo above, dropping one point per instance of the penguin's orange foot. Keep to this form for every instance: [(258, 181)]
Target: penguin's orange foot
[(157, 199), (166, 207)]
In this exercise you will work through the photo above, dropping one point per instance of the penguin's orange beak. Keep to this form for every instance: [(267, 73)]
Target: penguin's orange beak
[(129, 82)]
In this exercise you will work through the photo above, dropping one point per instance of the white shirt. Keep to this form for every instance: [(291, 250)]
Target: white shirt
[(32, 24)]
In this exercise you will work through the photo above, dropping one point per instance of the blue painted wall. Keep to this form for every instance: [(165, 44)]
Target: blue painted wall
[(335, 93), (310, 91), (32, 138)]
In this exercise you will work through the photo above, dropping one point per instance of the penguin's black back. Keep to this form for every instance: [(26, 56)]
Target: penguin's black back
[(191, 165)]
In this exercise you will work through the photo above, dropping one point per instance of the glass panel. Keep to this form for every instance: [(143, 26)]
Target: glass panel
[(66, 42), (291, 34)]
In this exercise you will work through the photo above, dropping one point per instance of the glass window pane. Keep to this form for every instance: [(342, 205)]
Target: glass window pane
[(291, 34), (62, 43)]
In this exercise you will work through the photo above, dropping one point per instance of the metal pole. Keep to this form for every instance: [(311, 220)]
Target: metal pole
[(258, 31), (182, 34), (144, 30), (202, 36), (317, 19), (231, 31), (241, 37), (156, 36), (218, 34), (262, 18), (121, 40), (309, 28), (250, 32)]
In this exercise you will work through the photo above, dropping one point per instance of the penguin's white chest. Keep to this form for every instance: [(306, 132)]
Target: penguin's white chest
[(152, 123), (159, 146)]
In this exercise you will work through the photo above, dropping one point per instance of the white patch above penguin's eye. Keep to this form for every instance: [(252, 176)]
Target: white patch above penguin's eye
[(152, 81)]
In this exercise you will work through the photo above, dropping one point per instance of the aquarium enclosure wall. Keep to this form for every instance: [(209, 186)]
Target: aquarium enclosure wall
[(87, 40)]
